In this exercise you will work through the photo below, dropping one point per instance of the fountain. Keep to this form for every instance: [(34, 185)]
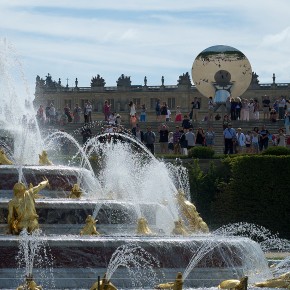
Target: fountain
[(134, 199)]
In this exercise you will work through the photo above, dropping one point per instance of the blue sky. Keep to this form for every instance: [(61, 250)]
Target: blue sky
[(80, 39)]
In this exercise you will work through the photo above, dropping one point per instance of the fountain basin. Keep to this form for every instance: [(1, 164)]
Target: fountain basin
[(79, 260)]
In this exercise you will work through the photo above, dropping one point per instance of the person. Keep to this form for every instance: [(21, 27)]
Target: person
[(40, 115), (210, 109), (183, 143), (241, 141), (170, 142), (85, 113), (186, 123), (194, 110), (248, 142), (273, 115), (68, 113), (287, 122), (52, 114), (89, 109), (163, 138), (233, 109), (190, 138), (158, 109), (143, 113), (245, 110), (281, 108), (118, 120), (251, 109), (163, 111), (77, 113), (264, 138), (178, 115), (149, 139), (200, 137), (209, 137), (238, 108), (21, 208), (256, 109), (86, 133), (138, 133), (281, 138), (168, 118), (176, 138), (106, 110), (229, 139), (132, 112), (226, 121), (266, 107), (255, 141)]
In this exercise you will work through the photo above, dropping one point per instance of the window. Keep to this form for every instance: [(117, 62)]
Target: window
[(137, 102), (49, 102), (171, 103), (112, 102), (153, 103)]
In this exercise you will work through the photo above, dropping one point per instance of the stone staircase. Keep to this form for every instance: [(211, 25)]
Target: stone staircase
[(74, 129)]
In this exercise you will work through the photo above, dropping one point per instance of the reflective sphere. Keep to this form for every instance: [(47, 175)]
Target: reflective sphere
[(222, 68)]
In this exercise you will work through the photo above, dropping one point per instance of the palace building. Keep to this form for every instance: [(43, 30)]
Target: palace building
[(49, 91)]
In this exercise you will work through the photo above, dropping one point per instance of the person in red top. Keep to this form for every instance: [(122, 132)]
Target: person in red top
[(107, 110)]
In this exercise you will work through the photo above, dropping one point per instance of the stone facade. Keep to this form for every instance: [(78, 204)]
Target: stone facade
[(182, 94)]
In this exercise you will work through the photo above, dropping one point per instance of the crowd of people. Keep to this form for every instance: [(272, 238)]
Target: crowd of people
[(188, 132)]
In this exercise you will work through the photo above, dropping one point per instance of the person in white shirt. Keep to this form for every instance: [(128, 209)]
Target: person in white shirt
[(241, 141)]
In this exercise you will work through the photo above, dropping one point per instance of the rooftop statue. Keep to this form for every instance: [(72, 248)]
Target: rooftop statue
[(97, 82), (29, 285), (90, 227), (104, 284), (21, 208), (142, 227), (43, 159), (282, 281), (176, 285), (189, 211), (4, 159), (234, 284), (184, 79), (76, 191), (123, 81)]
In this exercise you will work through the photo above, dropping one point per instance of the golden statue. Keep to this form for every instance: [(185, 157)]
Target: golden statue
[(179, 228), (176, 285), (43, 159), (234, 284), (90, 227), (75, 192), (282, 281), (29, 284), (4, 159), (104, 285), (142, 227), (189, 211), (21, 208)]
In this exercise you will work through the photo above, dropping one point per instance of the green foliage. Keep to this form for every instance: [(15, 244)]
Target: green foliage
[(257, 192), (201, 152), (276, 150)]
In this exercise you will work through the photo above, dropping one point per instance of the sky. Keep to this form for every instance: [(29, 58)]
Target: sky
[(80, 39)]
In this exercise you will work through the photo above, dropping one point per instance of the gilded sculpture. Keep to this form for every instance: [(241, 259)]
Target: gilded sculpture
[(43, 159), (179, 228), (195, 222), (142, 227), (90, 227), (176, 285), (234, 284), (21, 208), (76, 191), (4, 159), (282, 281), (105, 284), (29, 284)]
